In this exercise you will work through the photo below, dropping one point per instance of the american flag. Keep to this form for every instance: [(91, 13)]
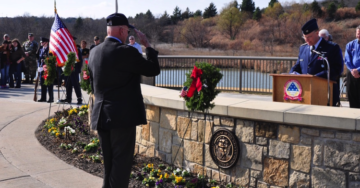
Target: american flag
[(61, 41)]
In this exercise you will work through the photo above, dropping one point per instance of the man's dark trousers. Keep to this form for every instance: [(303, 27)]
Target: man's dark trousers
[(118, 150), (70, 82), (353, 90)]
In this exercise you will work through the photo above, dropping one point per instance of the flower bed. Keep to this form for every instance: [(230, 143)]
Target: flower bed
[(67, 135)]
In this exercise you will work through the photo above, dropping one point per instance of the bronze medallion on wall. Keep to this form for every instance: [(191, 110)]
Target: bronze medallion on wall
[(224, 148)]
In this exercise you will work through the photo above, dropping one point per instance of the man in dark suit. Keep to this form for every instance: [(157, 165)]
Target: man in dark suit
[(310, 63), (73, 80), (42, 54), (115, 69)]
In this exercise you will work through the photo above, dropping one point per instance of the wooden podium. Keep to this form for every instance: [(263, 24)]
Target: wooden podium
[(314, 89)]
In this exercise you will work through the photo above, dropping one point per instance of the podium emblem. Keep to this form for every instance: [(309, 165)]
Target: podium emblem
[(224, 148), (292, 90)]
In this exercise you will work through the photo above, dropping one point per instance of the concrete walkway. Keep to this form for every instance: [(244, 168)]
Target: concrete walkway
[(24, 162)]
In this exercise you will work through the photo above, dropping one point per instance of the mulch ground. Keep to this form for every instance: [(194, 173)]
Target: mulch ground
[(82, 160)]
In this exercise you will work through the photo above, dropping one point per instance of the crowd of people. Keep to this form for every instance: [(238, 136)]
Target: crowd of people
[(28, 59)]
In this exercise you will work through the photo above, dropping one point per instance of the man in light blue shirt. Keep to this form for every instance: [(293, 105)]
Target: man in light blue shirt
[(352, 61), (134, 44)]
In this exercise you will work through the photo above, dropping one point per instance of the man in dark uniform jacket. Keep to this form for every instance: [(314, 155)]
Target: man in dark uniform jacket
[(42, 54), (73, 80), (311, 63), (115, 69)]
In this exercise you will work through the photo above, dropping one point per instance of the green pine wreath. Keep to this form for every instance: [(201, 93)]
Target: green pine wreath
[(210, 78), (85, 84), (69, 64), (50, 63)]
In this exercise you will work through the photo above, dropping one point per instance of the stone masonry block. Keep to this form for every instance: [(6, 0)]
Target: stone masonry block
[(318, 152), (279, 149), (276, 172), (343, 136), (268, 130), (208, 131), (261, 141), (208, 160), (342, 155), (245, 131), (300, 158), (184, 124), (153, 113), (289, 134), (168, 119), (217, 121), (145, 133), (299, 180), (356, 137), (310, 132), (183, 113), (327, 134), (165, 140), (194, 130), (154, 132), (242, 177), (193, 151), (251, 156), (328, 178), (138, 134), (226, 121), (201, 131), (177, 152)]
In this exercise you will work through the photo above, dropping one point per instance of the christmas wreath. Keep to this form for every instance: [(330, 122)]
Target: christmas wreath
[(49, 70), (85, 81), (199, 87), (69, 64)]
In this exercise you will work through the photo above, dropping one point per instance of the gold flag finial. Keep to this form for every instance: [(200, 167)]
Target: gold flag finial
[(55, 6)]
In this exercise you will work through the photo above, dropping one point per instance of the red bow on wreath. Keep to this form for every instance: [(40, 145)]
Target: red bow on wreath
[(196, 82), (85, 76)]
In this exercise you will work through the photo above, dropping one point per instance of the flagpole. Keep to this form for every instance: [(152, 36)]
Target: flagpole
[(55, 6), (116, 5)]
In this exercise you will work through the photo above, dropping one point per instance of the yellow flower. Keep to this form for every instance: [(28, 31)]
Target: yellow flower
[(149, 165), (152, 170), (57, 134), (159, 170), (178, 179), (166, 175), (49, 130), (160, 177), (152, 165), (63, 133)]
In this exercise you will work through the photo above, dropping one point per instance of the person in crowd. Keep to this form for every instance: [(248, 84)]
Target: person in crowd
[(42, 55), (96, 42), (310, 63), (115, 70), (325, 35), (135, 44), (73, 81), (352, 62), (30, 48), (6, 37), (17, 58), (5, 58), (84, 50)]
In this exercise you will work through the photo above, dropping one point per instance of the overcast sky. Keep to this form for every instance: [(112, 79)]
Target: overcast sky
[(102, 8)]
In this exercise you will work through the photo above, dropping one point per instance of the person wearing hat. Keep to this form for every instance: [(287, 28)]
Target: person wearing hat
[(17, 57), (6, 37), (30, 48), (96, 42), (310, 63), (42, 55), (115, 69), (73, 80)]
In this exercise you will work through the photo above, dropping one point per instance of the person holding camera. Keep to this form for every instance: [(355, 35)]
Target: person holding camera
[(115, 69)]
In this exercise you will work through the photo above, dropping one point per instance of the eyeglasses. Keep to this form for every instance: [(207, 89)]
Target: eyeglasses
[(130, 39), (128, 30)]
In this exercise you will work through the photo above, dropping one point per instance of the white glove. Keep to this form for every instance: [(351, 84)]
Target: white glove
[(63, 68), (40, 69)]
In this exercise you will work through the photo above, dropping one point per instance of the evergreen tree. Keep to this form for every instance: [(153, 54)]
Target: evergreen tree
[(176, 15), (187, 14), (271, 3), (165, 19), (234, 4), (149, 15), (198, 13), (341, 4), (331, 10), (210, 11), (357, 8), (257, 14), (316, 9), (248, 6), (78, 24)]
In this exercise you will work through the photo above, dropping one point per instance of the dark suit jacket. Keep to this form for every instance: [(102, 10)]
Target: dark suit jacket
[(314, 65), (115, 70)]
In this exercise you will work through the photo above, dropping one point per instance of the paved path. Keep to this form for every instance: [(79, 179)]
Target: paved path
[(24, 162)]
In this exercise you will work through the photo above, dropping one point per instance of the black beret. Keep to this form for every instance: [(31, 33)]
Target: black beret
[(118, 19), (43, 39), (30, 34), (309, 26)]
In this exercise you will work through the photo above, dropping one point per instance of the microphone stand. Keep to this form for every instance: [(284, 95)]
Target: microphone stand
[(322, 55)]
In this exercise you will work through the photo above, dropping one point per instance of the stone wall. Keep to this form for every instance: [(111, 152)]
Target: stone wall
[(271, 155)]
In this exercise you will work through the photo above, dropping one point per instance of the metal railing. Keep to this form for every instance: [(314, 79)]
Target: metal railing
[(240, 73)]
